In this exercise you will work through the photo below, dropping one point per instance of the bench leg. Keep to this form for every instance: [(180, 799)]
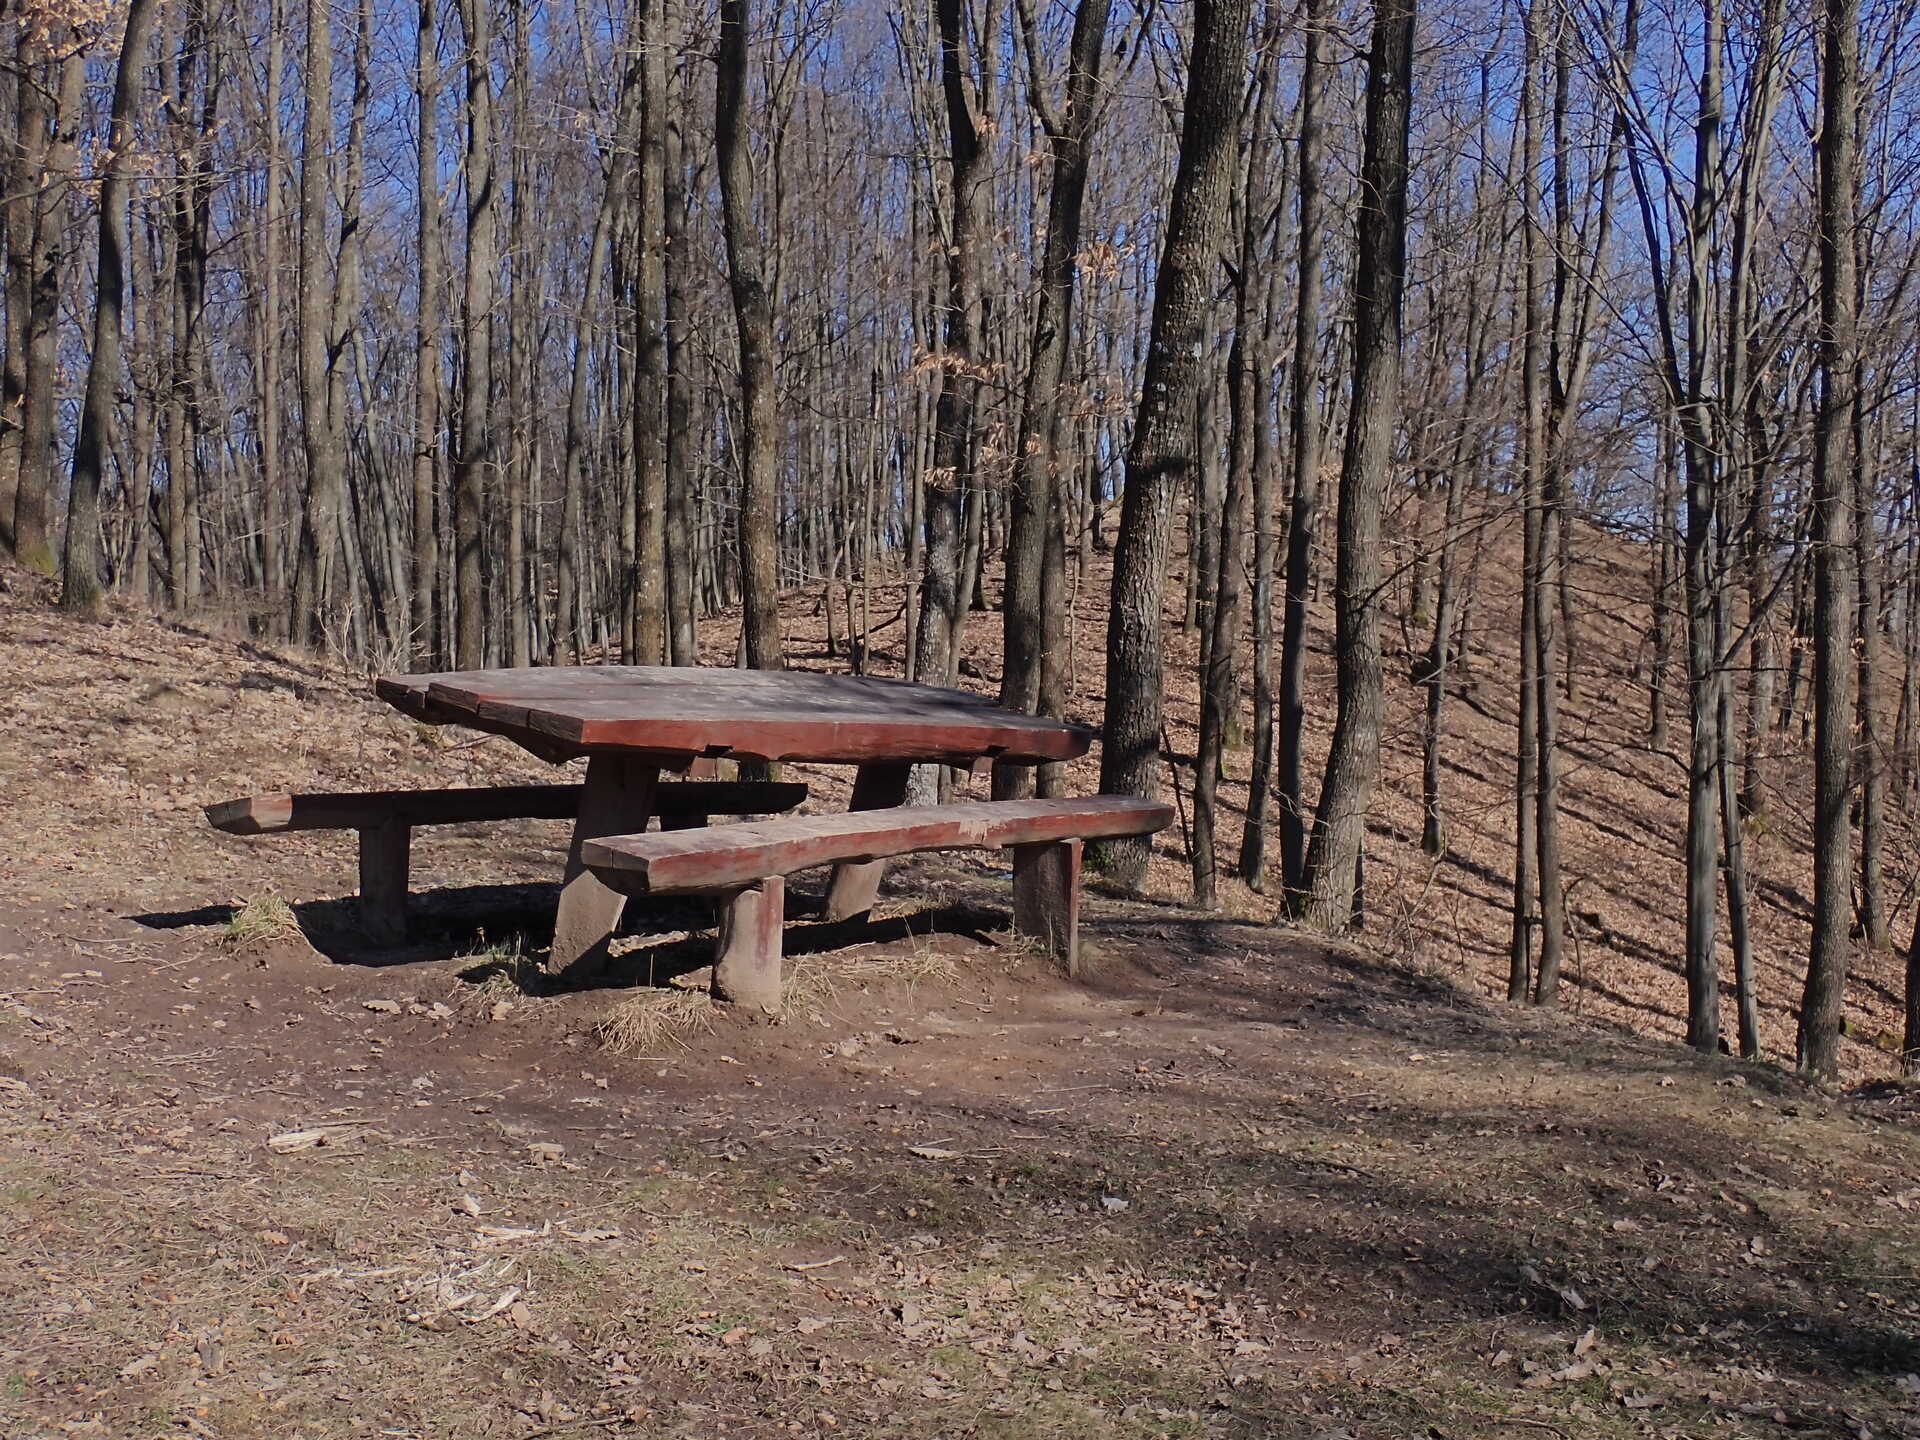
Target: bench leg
[(747, 970), (856, 884), (385, 853), (1046, 897), (616, 800)]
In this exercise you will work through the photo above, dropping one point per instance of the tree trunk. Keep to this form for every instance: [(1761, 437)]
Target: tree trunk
[(1869, 776), (1246, 415), (80, 560), (1823, 1002), (475, 456), (682, 618), (1304, 516), (1159, 456), (950, 476), (1353, 762), (756, 446), (20, 207), (1032, 592), (427, 644), (650, 344), (314, 587)]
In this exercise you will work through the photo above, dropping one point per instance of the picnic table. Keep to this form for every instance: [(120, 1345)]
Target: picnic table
[(634, 722)]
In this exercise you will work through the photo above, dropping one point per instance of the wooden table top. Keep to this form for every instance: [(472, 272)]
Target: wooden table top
[(677, 713)]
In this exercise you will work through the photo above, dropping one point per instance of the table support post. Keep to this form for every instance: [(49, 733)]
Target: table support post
[(1046, 897), (617, 799), (747, 970), (384, 854), (856, 884)]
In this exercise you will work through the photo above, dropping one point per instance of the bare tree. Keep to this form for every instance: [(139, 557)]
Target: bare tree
[(753, 317), (1332, 880), (427, 382), (474, 455), (1034, 565), (1246, 405), (1160, 453), (1304, 515), (1836, 361)]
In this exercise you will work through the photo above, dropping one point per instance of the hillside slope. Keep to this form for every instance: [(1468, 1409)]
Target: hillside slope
[(1624, 806), (146, 722), (259, 1178)]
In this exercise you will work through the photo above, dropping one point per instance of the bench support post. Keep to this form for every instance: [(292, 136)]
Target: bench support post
[(747, 970), (1046, 897), (856, 884), (617, 799), (385, 854)]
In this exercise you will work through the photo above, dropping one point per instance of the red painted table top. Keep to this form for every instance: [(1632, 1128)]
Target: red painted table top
[(678, 713)]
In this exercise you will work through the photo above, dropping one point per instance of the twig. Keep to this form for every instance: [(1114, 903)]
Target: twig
[(565, 1425)]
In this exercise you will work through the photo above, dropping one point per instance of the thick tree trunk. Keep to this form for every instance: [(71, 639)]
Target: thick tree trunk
[(33, 509), (275, 497), (1353, 762), (314, 586), (1246, 415), (1160, 453)]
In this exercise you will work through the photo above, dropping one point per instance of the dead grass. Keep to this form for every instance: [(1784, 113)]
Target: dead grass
[(258, 923), (815, 982), (642, 1021)]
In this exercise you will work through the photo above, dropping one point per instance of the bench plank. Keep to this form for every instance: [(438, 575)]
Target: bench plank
[(359, 810), (386, 820), (735, 855)]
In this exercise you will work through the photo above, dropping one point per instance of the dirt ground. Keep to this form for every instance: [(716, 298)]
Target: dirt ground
[(260, 1179)]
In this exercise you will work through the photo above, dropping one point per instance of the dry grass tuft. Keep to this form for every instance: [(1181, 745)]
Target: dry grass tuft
[(814, 981), (642, 1019), (499, 970), (259, 923)]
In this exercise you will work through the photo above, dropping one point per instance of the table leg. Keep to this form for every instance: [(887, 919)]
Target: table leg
[(384, 854), (1046, 897), (747, 971), (616, 800), (856, 884)]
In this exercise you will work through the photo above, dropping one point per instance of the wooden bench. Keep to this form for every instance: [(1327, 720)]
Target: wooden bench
[(386, 820), (747, 866)]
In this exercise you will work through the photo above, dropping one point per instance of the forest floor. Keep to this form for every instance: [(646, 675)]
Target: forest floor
[(259, 1179)]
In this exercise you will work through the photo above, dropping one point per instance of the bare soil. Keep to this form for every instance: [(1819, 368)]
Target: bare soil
[(258, 1178)]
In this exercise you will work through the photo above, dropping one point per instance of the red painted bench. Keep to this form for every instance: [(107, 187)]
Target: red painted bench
[(747, 865), (386, 820)]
